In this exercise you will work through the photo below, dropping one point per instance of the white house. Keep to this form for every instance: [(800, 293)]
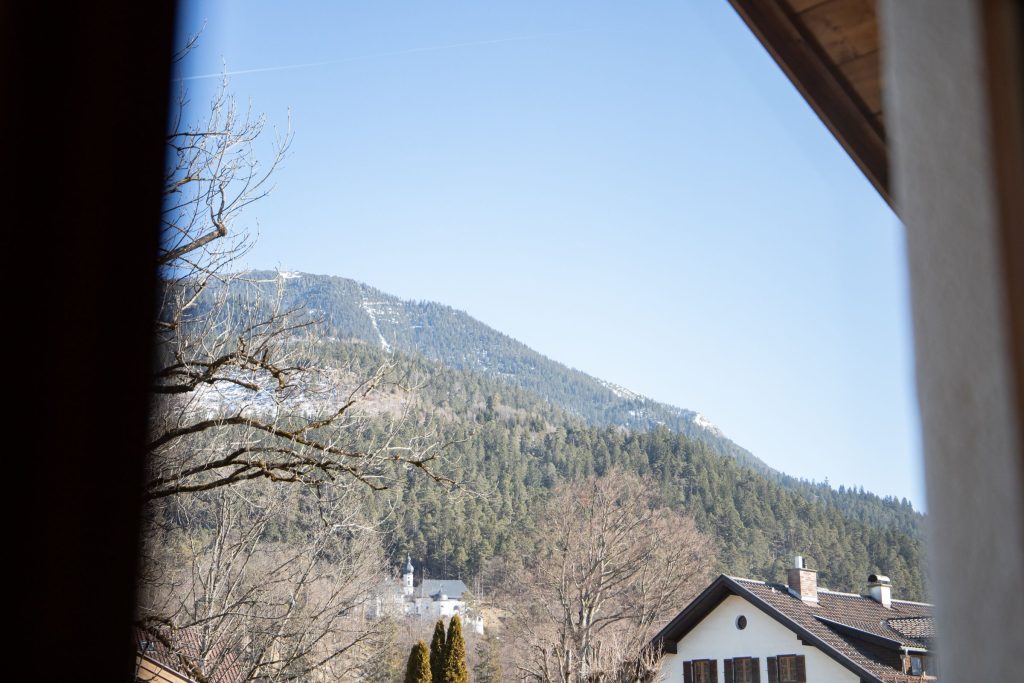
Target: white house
[(433, 599), (745, 631)]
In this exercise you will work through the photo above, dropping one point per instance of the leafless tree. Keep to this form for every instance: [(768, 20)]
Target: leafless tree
[(240, 393), (612, 567), (244, 584), (252, 432)]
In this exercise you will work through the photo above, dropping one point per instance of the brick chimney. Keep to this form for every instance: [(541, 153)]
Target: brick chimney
[(803, 582), (880, 589)]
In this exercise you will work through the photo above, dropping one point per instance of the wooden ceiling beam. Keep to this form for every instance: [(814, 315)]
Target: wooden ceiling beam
[(822, 84)]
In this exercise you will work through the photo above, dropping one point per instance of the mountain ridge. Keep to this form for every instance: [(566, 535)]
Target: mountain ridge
[(352, 309)]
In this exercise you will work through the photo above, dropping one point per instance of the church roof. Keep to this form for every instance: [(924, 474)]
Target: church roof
[(408, 565), (453, 588)]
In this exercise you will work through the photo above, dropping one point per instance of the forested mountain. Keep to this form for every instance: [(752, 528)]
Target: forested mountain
[(519, 423), (511, 447), (352, 310)]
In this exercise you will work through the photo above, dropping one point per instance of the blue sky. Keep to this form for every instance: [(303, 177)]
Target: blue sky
[(633, 189)]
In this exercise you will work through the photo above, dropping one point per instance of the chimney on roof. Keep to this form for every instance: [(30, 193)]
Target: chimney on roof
[(880, 589), (803, 582)]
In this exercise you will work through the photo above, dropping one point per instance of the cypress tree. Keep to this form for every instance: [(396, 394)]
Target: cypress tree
[(418, 668), (438, 651), (455, 669)]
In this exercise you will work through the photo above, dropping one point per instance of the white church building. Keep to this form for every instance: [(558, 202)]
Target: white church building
[(432, 599)]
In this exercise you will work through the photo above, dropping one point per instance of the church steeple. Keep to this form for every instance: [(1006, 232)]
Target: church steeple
[(407, 576)]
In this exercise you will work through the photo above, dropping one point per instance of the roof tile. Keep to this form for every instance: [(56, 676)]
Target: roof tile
[(856, 626)]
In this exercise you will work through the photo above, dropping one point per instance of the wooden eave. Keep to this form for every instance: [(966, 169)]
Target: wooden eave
[(830, 50)]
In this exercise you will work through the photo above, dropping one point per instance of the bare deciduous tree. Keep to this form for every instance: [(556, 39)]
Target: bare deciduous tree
[(239, 392), (612, 567), (238, 580), (244, 403)]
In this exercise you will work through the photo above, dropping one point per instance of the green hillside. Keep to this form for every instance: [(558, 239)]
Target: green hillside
[(511, 447), (520, 423)]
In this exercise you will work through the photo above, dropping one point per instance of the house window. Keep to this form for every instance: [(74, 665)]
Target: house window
[(787, 669), (743, 670), (700, 671)]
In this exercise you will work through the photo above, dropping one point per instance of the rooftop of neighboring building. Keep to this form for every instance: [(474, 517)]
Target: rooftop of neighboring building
[(857, 626), (434, 588), (869, 634), (178, 652)]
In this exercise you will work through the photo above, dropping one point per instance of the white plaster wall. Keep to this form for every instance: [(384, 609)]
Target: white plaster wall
[(446, 608), (475, 624), (716, 637)]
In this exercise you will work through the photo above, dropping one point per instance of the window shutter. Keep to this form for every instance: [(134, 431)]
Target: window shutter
[(688, 672), (728, 671), (713, 665), (755, 670), (801, 669), (773, 670)]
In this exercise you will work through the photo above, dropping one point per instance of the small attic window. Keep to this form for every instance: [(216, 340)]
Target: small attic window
[(741, 622)]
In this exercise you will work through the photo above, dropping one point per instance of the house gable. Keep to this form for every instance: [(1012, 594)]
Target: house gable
[(858, 633), (714, 635)]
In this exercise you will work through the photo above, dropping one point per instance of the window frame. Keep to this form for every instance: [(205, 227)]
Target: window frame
[(787, 663), (748, 664), (797, 665), (704, 666), (707, 675)]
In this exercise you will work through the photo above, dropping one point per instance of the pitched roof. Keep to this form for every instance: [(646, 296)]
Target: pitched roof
[(921, 628), (180, 650), (453, 588), (856, 631)]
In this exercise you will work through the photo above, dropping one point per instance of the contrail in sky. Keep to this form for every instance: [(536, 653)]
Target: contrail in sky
[(435, 48)]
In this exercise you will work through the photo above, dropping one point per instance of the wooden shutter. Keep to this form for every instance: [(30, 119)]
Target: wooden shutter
[(773, 670), (801, 669), (729, 678), (713, 665), (755, 670), (687, 672)]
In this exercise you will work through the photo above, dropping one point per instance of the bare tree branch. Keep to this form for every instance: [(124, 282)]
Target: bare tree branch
[(611, 568), (243, 578)]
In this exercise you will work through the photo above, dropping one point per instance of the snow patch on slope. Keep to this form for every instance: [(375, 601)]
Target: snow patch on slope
[(621, 392), (258, 394), (368, 306), (641, 413), (706, 424)]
